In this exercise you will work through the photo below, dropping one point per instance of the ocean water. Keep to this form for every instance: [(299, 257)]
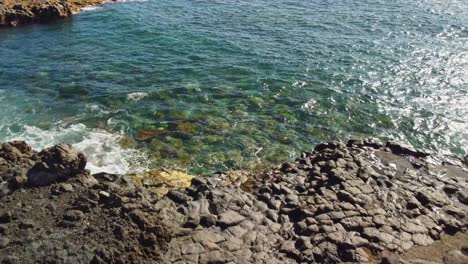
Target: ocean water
[(234, 84)]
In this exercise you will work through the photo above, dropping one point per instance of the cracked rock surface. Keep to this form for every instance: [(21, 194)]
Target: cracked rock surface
[(362, 201), (339, 203)]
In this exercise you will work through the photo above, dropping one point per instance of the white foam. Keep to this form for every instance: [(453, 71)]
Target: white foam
[(427, 90), (90, 8), (310, 105), (100, 147), (124, 1), (136, 96)]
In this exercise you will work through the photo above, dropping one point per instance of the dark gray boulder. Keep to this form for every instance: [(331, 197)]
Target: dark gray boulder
[(56, 164)]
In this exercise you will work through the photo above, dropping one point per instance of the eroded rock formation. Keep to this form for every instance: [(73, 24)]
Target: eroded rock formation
[(20, 12), (358, 202)]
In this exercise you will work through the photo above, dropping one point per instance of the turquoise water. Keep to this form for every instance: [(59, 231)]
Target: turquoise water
[(229, 84)]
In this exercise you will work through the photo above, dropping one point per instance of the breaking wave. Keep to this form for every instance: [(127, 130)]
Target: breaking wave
[(102, 148)]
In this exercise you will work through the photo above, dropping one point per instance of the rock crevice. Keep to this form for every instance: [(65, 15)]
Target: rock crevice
[(362, 201)]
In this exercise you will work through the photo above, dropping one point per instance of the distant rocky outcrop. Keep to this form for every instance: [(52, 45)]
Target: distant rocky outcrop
[(20, 12), (362, 201)]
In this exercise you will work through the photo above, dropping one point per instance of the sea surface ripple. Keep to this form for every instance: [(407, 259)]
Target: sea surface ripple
[(235, 84)]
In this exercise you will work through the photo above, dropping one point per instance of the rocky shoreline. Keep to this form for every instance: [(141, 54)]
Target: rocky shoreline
[(20, 12), (360, 201)]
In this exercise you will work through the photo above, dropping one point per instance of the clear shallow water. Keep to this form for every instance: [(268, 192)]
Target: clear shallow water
[(237, 84)]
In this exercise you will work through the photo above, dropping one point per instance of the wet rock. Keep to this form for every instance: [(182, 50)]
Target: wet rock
[(57, 163), (16, 13)]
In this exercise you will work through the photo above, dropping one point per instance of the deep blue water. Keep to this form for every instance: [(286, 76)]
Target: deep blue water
[(237, 84)]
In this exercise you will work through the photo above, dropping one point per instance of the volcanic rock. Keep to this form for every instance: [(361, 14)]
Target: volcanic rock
[(57, 163), (20, 12)]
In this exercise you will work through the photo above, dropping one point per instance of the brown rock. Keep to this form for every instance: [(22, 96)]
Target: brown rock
[(455, 257), (57, 163), (19, 12)]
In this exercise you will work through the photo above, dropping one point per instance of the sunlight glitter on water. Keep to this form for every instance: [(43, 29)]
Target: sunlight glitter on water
[(429, 92), (215, 85)]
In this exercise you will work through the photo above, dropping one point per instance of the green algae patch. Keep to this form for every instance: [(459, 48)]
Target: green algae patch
[(162, 181), (127, 142), (185, 127)]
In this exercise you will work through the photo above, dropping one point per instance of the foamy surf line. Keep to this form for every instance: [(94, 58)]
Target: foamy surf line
[(94, 7), (89, 8), (101, 148), (135, 97)]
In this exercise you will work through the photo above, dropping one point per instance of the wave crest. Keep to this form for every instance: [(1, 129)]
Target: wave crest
[(102, 148)]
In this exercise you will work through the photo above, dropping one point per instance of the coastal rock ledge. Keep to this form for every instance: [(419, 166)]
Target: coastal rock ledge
[(20, 12), (360, 201)]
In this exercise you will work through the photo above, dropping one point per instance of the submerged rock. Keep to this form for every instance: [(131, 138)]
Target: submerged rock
[(146, 134), (127, 142), (184, 127)]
